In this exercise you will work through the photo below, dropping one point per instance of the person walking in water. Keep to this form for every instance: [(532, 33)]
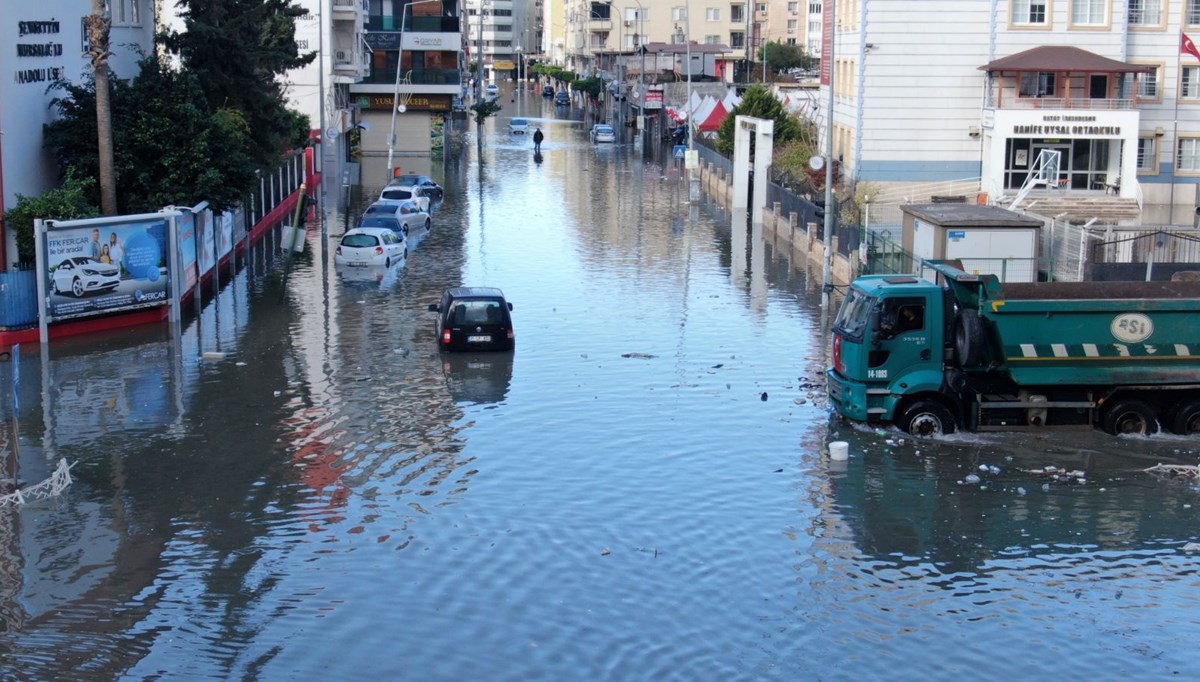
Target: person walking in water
[(537, 140)]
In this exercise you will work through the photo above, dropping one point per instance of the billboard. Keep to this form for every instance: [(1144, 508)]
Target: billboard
[(185, 226), (103, 266)]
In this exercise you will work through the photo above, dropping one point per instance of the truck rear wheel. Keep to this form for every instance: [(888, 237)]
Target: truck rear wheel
[(1186, 420), (927, 418), (1130, 416), (968, 338)]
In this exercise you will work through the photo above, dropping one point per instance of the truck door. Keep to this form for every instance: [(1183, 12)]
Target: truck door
[(905, 339)]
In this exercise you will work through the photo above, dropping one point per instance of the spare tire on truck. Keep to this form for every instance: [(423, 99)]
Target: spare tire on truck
[(968, 338)]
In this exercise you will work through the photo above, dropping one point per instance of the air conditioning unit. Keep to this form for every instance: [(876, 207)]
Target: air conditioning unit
[(628, 23)]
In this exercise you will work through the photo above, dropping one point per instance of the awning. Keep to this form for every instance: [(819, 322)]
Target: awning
[(1062, 58)]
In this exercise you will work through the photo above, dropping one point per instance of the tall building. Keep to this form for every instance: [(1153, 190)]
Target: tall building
[(414, 79), (509, 33), (786, 22), (595, 28), (554, 27), (933, 91), (45, 41)]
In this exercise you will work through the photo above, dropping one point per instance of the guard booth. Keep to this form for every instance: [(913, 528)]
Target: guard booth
[(985, 240)]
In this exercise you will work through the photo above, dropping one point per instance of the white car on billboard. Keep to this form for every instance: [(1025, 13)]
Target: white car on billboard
[(82, 275)]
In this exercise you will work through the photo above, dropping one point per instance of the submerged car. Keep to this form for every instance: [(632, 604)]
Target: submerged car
[(474, 319), (547, 91), (491, 91), (602, 132), (428, 187), (518, 126), (371, 246), (562, 99), (82, 275), (400, 193)]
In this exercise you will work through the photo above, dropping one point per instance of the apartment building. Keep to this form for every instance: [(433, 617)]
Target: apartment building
[(509, 30), (554, 27), (932, 91), (593, 29), (785, 21), (413, 80)]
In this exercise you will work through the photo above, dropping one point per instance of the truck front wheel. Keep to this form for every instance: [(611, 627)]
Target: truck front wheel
[(927, 418), (1130, 416)]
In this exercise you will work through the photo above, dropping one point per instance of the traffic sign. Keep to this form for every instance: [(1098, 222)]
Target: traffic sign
[(680, 151)]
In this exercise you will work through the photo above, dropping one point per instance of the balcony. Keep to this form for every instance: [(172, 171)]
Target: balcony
[(450, 77), (1009, 100), (418, 23), (599, 25), (349, 10)]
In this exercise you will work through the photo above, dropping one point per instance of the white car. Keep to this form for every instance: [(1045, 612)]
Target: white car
[(518, 126), (491, 91), (84, 274), (371, 246), (602, 132), (399, 193), (413, 217)]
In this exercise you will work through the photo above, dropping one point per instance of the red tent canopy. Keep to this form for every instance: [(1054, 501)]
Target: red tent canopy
[(715, 118)]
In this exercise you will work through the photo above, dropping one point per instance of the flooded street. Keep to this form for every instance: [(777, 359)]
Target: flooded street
[(638, 492)]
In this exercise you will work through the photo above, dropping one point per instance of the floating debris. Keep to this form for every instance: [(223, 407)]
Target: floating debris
[(212, 356), (51, 487), (763, 397), (971, 479), (1187, 471), (1192, 547), (639, 356)]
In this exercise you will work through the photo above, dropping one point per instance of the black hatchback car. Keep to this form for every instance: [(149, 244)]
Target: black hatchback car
[(547, 91), (474, 319)]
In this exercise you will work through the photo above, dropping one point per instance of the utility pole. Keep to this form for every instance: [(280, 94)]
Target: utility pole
[(827, 278), (693, 176)]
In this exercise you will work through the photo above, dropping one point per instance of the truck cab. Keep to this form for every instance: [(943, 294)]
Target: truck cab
[(889, 343)]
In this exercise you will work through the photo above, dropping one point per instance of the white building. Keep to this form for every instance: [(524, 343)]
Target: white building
[(43, 41), (509, 29), (934, 91)]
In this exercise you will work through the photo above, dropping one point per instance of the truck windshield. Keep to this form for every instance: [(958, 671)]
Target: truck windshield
[(854, 313)]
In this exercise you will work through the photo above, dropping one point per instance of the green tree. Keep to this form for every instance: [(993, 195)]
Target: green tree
[(62, 203), (171, 148), (781, 57), (98, 24), (758, 101), (485, 108), (239, 51)]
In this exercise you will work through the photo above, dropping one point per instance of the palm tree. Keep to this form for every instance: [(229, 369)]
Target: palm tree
[(98, 28)]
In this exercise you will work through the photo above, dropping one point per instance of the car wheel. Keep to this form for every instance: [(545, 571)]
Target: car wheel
[(927, 418), (428, 224), (387, 262), (77, 287), (1130, 416), (53, 286)]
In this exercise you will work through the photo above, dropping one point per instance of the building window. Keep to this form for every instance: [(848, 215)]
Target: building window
[(1037, 85), (1029, 12), (712, 40), (737, 39), (1147, 155), (124, 12), (1190, 87), (631, 14), (678, 38), (1193, 13), (1187, 159), (601, 10), (737, 13), (760, 7), (791, 41), (791, 26), (1145, 12), (1147, 85), (814, 8), (712, 14), (793, 7), (1089, 12), (678, 13)]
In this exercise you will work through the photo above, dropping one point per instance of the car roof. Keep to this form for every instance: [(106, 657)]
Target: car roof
[(475, 292), (520, 120), (373, 231)]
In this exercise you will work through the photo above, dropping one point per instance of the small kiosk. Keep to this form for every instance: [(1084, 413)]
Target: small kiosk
[(984, 239)]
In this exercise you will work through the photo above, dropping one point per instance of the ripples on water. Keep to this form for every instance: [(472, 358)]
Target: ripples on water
[(637, 492)]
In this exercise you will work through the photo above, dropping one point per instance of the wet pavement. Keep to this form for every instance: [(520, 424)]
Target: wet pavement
[(638, 492)]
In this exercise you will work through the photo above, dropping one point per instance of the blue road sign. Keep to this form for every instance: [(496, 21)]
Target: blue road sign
[(680, 150)]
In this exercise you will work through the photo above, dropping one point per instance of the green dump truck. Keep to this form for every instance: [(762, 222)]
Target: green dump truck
[(972, 354)]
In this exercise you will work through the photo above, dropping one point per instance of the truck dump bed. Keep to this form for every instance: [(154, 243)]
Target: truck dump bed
[(1096, 333)]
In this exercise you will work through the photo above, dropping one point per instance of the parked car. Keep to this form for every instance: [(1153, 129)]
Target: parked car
[(518, 126), (547, 91), (602, 132), (412, 216), (491, 91), (474, 319), (414, 194), (562, 99), (370, 246), (82, 275), (390, 222), (426, 183)]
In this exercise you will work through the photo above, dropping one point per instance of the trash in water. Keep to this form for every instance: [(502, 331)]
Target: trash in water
[(213, 356), (639, 356)]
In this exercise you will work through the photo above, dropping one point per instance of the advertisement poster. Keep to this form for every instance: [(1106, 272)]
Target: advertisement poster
[(109, 268), (185, 225), (207, 241), (225, 231)]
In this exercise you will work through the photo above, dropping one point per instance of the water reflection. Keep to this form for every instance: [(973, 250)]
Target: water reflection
[(477, 378)]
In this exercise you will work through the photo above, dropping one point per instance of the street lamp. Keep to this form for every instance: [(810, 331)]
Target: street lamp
[(396, 105)]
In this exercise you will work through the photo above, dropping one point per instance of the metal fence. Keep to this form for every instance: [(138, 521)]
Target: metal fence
[(275, 187), (18, 299), (709, 154), (1152, 255)]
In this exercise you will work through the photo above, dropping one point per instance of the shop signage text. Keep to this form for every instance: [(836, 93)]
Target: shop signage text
[(1067, 124), (38, 50)]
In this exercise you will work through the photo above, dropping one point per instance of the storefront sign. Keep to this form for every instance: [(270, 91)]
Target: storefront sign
[(432, 41), (415, 103), (32, 44), (1068, 124), (382, 40), (654, 99)]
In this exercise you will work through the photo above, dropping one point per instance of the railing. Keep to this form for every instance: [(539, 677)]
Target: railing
[(420, 77), (416, 24), (1011, 102), (274, 188), (351, 4)]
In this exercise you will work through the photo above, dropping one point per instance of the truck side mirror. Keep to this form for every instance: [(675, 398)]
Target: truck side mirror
[(873, 324), (433, 307)]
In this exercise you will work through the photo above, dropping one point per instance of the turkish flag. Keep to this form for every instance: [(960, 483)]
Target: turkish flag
[(1188, 47)]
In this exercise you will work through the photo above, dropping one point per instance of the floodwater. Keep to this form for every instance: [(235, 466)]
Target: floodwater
[(638, 492)]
